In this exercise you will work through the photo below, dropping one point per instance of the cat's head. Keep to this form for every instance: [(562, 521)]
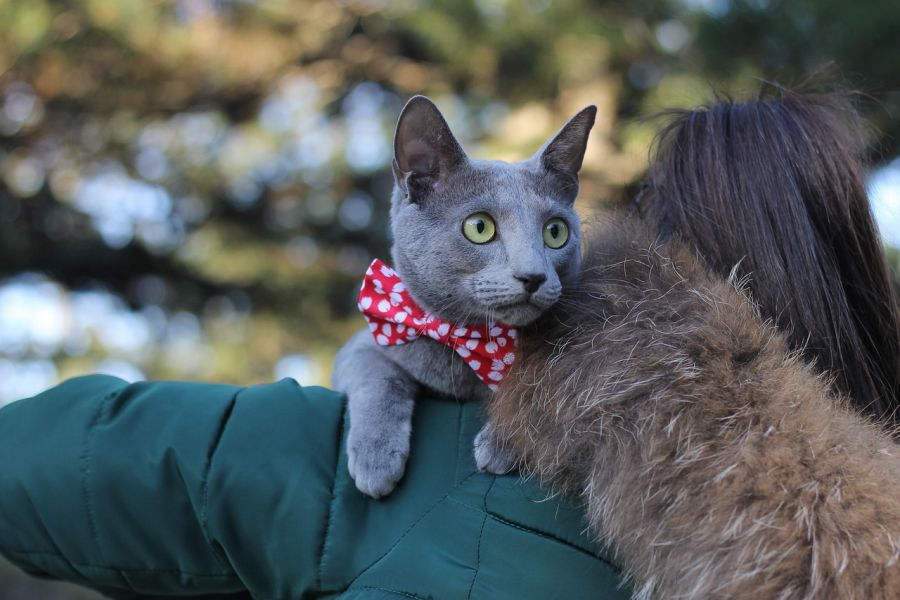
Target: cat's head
[(479, 240)]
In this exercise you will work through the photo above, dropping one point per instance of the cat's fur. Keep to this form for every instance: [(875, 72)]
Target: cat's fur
[(711, 458), (436, 187)]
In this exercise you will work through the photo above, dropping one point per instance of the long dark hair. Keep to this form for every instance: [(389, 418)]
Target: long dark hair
[(773, 190)]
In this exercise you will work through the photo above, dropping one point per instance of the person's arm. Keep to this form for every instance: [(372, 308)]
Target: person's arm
[(169, 488), (186, 489)]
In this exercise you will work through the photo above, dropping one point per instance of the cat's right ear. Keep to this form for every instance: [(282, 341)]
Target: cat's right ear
[(425, 151), (564, 154)]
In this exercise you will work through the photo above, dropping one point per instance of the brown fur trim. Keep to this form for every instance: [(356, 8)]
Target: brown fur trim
[(711, 458)]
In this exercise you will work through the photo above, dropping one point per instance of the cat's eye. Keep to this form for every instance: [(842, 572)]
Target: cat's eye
[(479, 228), (556, 233)]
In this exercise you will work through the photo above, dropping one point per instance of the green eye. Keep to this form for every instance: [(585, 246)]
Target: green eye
[(479, 228), (556, 233)]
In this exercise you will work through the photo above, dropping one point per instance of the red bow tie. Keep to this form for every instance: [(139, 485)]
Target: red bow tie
[(395, 318)]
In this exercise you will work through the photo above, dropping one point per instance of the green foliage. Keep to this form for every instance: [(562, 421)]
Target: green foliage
[(229, 158), (190, 156), (893, 256)]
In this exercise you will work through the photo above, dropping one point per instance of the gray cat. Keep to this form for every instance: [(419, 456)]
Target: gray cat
[(474, 242)]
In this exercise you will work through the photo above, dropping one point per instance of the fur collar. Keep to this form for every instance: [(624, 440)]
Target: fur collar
[(711, 458)]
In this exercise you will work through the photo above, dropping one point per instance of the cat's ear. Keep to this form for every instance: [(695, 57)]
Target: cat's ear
[(425, 150), (564, 153)]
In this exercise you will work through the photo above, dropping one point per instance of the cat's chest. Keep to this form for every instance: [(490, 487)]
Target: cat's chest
[(439, 367)]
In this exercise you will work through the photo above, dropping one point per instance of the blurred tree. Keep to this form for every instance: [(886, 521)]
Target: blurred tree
[(226, 162), (893, 255)]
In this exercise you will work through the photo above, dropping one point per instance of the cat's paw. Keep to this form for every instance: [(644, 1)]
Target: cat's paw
[(491, 455), (376, 464)]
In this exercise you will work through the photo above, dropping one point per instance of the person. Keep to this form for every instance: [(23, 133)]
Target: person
[(712, 458), (772, 192), (162, 489)]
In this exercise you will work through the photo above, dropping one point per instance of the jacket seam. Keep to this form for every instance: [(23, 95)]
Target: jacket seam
[(333, 498), (85, 469), (412, 526), (480, 537), (403, 593), (555, 538), (207, 471)]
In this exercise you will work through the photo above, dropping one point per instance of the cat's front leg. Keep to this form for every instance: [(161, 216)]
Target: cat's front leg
[(492, 455), (380, 405), (378, 440)]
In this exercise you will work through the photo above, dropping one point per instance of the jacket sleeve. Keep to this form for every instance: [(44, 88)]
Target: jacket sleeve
[(158, 489)]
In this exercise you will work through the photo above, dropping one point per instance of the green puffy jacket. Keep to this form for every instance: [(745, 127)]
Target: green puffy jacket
[(164, 489)]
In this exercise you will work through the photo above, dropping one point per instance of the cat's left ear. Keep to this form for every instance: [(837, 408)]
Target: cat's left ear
[(425, 151), (564, 153)]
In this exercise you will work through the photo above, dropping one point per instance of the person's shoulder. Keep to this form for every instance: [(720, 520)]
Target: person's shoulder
[(449, 531)]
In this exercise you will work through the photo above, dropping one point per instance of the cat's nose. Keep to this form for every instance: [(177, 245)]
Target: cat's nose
[(531, 281)]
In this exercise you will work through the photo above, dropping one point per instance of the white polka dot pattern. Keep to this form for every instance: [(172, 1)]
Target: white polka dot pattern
[(394, 318)]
